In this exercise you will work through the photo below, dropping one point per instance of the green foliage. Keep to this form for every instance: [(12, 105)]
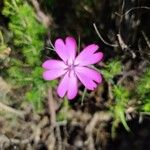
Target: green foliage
[(144, 84), (27, 40), (27, 31), (146, 105), (2, 44), (120, 94), (121, 99), (34, 96), (25, 65), (143, 90), (4, 52), (112, 68), (62, 115)]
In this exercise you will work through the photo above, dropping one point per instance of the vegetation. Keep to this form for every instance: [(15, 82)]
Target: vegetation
[(125, 91)]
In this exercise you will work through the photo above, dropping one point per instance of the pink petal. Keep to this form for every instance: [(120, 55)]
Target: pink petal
[(72, 86), (53, 74), (63, 86), (89, 77), (68, 85), (54, 64), (67, 50), (61, 50), (71, 46), (89, 56)]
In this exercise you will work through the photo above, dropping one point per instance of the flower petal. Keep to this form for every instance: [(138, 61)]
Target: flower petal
[(88, 56), (89, 77), (71, 46), (54, 64), (72, 86), (53, 74), (68, 84), (63, 86), (61, 49), (67, 50)]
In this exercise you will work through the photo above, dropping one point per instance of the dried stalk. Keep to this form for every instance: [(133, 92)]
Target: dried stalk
[(51, 106), (99, 35), (11, 110), (46, 20)]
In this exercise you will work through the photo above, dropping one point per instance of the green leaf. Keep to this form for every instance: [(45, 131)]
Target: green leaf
[(35, 97), (120, 112), (112, 69)]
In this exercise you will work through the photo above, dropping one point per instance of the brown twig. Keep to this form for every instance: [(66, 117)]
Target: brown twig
[(125, 75), (98, 117), (11, 110), (142, 52), (90, 142), (120, 40), (59, 138), (4, 140), (110, 93), (51, 106), (125, 46), (51, 141), (46, 20), (135, 8), (146, 39), (121, 43), (99, 35)]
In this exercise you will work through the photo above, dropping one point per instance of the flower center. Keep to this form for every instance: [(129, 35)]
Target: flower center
[(71, 67)]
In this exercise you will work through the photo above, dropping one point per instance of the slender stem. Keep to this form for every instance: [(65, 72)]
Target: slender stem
[(1, 38), (145, 113), (146, 39), (99, 35), (50, 42), (51, 106), (79, 44), (83, 96), (135, 8), (45, 19), (66, 107), (50, 48)]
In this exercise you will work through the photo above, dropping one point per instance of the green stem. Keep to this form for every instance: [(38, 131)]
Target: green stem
[(1, 38), (66, 107)]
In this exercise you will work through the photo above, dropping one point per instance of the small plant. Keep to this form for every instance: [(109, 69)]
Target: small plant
[(112, 69), (143, 91), (120, 94), (27, 40)]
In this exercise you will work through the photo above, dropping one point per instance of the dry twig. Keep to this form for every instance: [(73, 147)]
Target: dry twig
[(51, 106), (98, 33), (135, 8), (146, 38), (12, 110), (46, 20), (121, 43)]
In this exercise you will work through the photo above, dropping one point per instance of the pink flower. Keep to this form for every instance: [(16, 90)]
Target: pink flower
[(72, 68)]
